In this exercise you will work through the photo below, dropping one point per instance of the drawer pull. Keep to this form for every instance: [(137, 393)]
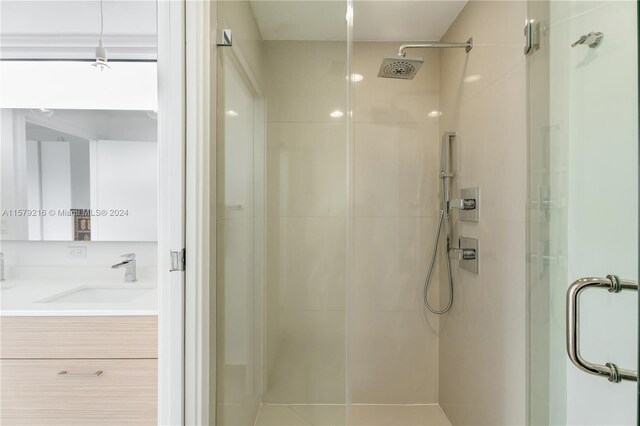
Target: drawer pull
[(66, 373)]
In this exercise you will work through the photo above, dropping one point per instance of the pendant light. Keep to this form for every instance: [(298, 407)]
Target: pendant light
[(101, 52), (42, 112)]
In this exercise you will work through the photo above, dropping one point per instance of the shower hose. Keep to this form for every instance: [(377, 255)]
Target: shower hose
[(427, 281)]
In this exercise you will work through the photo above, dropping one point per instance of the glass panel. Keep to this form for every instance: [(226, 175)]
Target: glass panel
[(583, 165), (282, 213), (240, 230)]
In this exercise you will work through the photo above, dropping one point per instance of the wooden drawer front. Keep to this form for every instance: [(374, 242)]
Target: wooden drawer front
[(33, 393), (79, 337)]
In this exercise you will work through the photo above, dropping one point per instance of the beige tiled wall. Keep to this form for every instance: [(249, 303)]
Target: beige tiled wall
[(482, 339), (393, 343), (306, 223)]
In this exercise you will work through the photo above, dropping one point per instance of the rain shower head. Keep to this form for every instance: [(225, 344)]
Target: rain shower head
[(403, 67)]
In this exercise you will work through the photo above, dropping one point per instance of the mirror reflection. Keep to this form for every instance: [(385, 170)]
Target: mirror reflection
[(79, 175)]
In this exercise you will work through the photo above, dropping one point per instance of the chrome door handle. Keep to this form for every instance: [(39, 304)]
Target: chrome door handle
[(614, 285), (66, 373)]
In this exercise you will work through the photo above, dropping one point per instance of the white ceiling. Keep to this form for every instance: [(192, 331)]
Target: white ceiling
[(71, 28), (402, 20), (374, 20), (121, 17), (301, 20)]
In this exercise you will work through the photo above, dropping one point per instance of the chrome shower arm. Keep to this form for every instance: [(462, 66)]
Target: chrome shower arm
[(435, 45)]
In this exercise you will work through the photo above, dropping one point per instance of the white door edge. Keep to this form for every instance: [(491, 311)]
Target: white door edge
[(200, 189), (171, 217)]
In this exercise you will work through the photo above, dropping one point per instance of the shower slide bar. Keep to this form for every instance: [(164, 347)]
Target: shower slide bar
[(614, 285)]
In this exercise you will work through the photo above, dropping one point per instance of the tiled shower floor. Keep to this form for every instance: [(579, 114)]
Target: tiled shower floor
[(360, 415)]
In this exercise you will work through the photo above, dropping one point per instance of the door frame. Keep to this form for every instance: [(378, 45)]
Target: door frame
[(184, 202), (200, 214), (171, 210)]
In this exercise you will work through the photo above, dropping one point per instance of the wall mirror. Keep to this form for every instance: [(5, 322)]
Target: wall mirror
[(79, 175)]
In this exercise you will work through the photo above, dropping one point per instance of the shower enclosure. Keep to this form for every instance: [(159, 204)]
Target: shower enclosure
[(583, 210), (328, 201)]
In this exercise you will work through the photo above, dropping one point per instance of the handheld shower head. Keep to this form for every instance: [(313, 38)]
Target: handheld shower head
[(400, 67)]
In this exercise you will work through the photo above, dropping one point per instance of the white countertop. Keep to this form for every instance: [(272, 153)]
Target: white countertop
[(27, 297)]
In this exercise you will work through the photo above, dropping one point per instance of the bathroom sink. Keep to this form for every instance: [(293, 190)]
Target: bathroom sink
[(99, 294)]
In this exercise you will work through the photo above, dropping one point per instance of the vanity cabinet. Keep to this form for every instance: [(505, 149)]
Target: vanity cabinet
[(66, 370)]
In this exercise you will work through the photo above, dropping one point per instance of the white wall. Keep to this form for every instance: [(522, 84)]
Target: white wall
[(78, 85), (34, 189), (47, 17), (12, 161), (124, 179), (49, 260), (56, 189), (80, 175)]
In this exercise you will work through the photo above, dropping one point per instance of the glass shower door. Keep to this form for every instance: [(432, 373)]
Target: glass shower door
[(281, 213), (240, 240), (583, 210)]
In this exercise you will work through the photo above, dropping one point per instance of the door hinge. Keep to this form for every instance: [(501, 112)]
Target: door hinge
[(532, 36), (224, 38), (177, 260)]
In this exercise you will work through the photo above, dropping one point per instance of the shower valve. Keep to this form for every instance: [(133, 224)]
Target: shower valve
[(466, 253), (462, 254), (463, 204), (468, 204)]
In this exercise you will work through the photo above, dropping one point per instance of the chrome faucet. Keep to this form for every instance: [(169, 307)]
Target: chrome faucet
[(2, 267), (130, 267)]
